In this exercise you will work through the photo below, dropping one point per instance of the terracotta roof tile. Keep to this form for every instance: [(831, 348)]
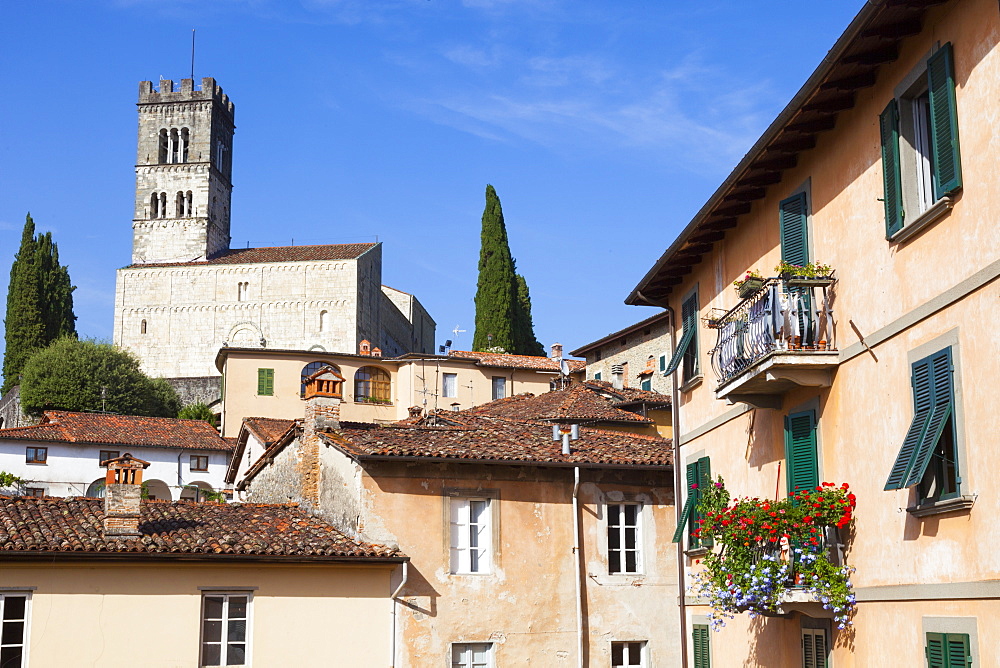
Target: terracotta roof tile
[(125, 430), (277, 254), (176, 529), (487, 438), (518, 361), (268, 430), (578, 402), (625, 396)]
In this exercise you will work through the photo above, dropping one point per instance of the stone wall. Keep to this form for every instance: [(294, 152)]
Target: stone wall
[(634, 350), (10, 410), (203, 389)]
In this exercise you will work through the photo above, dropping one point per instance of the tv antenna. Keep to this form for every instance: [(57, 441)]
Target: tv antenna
[(192, 54)]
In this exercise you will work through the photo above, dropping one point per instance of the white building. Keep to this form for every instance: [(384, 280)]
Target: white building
[(62, 455)]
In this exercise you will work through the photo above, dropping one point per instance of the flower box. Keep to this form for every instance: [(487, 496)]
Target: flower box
[(807, 282), (750, 287)]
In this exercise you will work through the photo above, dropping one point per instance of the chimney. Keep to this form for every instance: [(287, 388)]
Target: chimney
[(617, 374), (324, 390), (365, 347), (415, 412), (376, 352), (122, 493), (556, 351)]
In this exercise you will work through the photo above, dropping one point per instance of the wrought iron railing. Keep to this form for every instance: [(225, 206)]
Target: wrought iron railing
[(792, 314)]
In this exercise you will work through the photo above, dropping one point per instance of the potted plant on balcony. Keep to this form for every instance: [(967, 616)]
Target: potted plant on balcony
[(750, 284), (748, 571), (808, 275)]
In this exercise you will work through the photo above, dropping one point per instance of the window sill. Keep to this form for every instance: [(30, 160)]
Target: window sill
[(371, 403), (692, 383), (938, 210), (958, 504), (696, 552)]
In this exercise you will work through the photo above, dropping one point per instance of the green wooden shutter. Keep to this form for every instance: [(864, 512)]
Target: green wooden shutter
[(923, 402), (684, 519), (944, 122), (801, 461), (689, 321), (704, 480), (893, 196), (935, 650), (265, 382), (958, 654), (701, 646), (682, 347), (663, 363), (694, 494), (794, 237), (941, 392)]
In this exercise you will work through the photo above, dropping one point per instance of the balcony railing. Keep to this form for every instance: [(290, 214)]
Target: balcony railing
[(793, 315)]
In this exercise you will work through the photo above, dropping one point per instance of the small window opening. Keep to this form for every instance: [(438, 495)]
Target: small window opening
[(162, 146), (154, 206), (175, 147), (323, 315), (163, 205), (142, 327), (185, 142)]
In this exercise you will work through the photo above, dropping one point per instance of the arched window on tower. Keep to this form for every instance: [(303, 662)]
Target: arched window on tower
[(175, 147), (185, 143), (323, 317), (154, 206), (142, 327), (179, 201), (163, 205), (241, 291), (162, 146), (189, 208)]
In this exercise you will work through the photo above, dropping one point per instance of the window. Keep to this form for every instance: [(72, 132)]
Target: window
[(310, 369), (142, 327), (628, 654), (701, 646), (920, 153), (36, 455), (686, 354), (945, 650), (470, 536), (154, 206), (928, 455), (815, 650), (162, 145), (499, 387), (372, 385), (105, 455), (801, 460), (32, 491), (597, 376), (663, 363), (624, 538), (323, 317), (242, 288), (265, 382), (449, 385), (699, 474), (199, 462), (646, 384), (225, 624), (472, 655), (13, 629)]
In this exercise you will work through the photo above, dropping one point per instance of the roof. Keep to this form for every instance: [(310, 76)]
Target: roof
[(276, 254), (578, 403), (582, 350), (509, 361), (123, 430), (74, 526), (871, 40), (628, 396), (268, 430), (489, 439)]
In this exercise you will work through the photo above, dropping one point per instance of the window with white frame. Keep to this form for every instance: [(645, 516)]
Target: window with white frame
[(499, 387), (472, 655), (449, 385), (13, 628), (225, 623), (624, 538), (628, 654), (470, 536)]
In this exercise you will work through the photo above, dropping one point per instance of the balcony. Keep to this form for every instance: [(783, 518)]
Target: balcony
[(779, 338)]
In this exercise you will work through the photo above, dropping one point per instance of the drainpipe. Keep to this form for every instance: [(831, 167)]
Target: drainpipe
[(579, 567), (406, 575), (675, 441)]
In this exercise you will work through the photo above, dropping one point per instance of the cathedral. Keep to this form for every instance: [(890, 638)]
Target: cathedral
[(186, 293)]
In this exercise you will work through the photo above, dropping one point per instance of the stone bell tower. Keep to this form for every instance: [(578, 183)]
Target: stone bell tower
[(183, 172)]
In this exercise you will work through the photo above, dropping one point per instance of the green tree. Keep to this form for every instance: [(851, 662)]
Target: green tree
[(39, 302), (524, 326), (93, 376), (496, 289), (197, 411)]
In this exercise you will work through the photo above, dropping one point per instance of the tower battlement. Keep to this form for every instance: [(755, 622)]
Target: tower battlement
[(185, 93)]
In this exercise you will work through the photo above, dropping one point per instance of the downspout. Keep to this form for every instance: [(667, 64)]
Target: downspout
[(675, 442), (406, 575), (579, 567)]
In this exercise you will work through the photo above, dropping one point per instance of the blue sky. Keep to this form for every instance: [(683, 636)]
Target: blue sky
[(604, 127)]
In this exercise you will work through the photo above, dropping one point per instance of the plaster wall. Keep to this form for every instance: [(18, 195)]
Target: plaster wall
[(127, 614), (72, 467)]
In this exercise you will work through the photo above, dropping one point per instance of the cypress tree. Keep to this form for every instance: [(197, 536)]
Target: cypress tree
[(24, 326), (39, 302), (527, 343), (496, 292)]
